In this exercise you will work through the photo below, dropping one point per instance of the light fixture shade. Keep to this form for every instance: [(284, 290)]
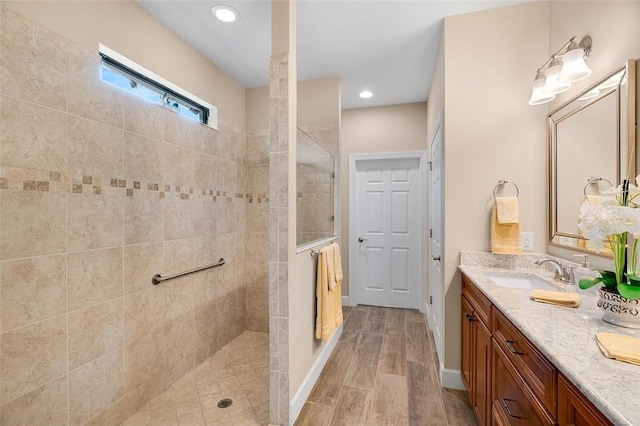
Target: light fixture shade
[(552, 86), (554, 67), (537, 93), (574, 67)]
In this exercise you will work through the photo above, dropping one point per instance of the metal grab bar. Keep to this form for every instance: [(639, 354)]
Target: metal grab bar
[(157, 278)]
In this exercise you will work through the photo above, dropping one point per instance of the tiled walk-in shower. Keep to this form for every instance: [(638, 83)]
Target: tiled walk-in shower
[(239, 371)]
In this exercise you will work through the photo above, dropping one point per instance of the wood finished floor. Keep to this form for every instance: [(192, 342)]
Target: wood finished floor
[(383, 371)]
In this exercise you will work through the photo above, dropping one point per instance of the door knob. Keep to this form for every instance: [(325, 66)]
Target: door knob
[(435, 259), (361, 240)]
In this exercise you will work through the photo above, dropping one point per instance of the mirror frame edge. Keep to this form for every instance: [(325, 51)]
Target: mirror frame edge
[(632, 106)]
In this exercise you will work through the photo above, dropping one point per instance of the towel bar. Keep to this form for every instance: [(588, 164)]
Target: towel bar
[(502, 182)]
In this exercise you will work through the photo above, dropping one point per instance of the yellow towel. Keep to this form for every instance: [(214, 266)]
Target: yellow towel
[(504, 238), (337, 267), (329, 303), (507, 208), (617, 346), (571, 300), (331, 268)]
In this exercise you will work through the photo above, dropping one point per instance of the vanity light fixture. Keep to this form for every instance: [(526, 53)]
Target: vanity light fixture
[(566, 66), (225, 13), (365, 94)]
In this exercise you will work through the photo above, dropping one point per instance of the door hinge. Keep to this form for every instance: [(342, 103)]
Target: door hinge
[(430, 164), (332, 218), (430, 233), (431, 300), (333, 175)]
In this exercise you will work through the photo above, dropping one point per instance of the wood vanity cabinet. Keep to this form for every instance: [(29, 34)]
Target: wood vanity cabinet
[(510, 382), (476, 353)]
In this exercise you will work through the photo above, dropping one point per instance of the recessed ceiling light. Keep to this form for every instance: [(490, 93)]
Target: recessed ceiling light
[(225, 13), (366, 94)]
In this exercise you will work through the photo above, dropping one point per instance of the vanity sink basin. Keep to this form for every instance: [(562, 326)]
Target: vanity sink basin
[(521, 281)]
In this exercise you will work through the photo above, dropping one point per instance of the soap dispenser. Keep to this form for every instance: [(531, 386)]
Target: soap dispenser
[(584, 270)]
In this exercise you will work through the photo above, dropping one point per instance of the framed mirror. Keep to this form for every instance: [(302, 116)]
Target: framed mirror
[(592, 146)]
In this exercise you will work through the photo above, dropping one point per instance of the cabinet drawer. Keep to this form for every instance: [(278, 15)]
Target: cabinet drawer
[(479, 301), (575, 409), (513, 402), (536, 371)]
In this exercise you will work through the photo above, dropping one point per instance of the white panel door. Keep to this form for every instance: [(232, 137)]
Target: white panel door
[(388, 232), (436, 281)]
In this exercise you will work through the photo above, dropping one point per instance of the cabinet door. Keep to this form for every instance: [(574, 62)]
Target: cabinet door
[(513, 402), (482, 373), (575, 409), (467, 346)]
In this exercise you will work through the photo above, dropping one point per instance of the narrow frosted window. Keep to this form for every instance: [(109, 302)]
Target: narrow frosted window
[(126, 78)]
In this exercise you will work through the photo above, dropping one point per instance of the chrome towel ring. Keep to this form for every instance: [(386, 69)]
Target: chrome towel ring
[(594, 181), (501, 183)]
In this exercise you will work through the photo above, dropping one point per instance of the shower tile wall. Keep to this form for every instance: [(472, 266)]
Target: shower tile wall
[(98, 192), (257, 229)]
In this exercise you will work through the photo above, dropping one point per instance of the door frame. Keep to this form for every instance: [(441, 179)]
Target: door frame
[(428, 307), (421, 156)]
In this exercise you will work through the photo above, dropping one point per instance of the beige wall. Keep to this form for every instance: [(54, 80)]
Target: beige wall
[(614, 27), (373, 130), (491, 133), (99, 191), (316, 103), (615, 30), (124, 27)]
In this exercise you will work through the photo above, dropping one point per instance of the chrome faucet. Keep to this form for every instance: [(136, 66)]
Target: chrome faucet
[(563, 274)]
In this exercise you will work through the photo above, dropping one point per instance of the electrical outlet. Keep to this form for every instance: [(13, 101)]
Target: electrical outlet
[(527, 241)]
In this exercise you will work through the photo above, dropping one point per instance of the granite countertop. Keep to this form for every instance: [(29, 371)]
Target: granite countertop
[(566, 336)]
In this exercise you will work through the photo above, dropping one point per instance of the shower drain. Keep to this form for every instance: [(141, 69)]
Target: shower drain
[(224, 403)]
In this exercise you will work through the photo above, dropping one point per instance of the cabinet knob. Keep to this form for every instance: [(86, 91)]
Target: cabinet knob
[(505, 405), (469, 317)]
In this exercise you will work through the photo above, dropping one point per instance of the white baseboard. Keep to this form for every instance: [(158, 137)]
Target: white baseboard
[(346, 301), (450, 378), (298, 400)]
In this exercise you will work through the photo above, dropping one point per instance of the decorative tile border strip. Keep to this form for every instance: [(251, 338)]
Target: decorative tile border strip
[(30, 180)]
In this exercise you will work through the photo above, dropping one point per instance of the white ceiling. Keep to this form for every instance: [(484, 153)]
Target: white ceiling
[(388, 47)]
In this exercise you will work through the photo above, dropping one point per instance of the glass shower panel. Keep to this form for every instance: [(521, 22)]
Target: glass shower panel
[(315, 174)]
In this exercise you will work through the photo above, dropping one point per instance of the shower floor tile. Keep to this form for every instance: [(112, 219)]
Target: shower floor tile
[(239, 371)]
